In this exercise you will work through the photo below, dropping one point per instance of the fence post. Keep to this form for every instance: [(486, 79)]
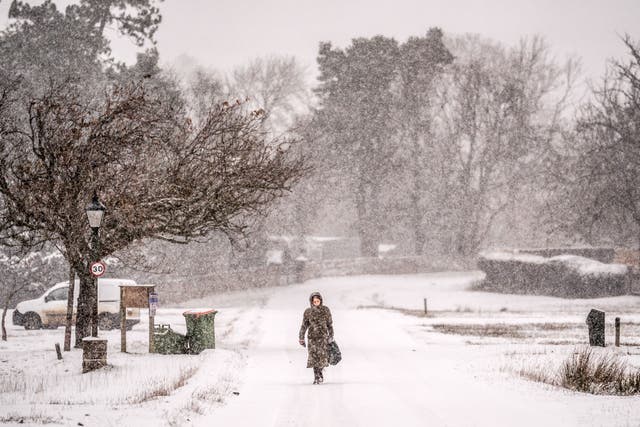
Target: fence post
[(123, 322), (425, 306), (617, 332)]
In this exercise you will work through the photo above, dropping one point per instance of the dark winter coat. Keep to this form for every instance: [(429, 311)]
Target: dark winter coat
[(318, 325)]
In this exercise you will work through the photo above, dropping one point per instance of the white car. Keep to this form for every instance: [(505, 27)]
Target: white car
[(50, 310)]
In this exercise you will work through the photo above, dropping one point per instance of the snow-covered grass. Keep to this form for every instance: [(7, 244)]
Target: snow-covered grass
[(36, 388), (34, 417), (124, 380)]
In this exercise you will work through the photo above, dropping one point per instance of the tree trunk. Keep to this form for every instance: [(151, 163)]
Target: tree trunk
[(368, 244), (419, 235), (69, 320), (366, 231), (85, 307), (464, 233), (4, 315), (417, 215)]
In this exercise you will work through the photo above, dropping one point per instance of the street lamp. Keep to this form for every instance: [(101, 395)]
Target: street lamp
[(95, 211)]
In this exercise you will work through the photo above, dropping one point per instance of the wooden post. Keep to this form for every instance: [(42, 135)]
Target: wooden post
[(58, 352), (617, 332), (152, 347), (123, 322), (425, 306)]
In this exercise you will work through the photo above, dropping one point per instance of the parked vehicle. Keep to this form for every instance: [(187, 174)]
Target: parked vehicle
[(50, 310)]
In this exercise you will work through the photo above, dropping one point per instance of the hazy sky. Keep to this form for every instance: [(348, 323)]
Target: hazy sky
[(224, 33)]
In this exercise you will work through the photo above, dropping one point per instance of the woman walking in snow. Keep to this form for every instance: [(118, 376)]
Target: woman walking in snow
[(317, 320)]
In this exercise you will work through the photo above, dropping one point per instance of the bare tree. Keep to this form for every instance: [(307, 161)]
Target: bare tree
[(275, 84), (204, 89), (159, 175), (501, 113), (601, 194)]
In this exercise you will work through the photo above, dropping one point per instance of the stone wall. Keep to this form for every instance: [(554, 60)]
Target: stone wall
[(391, 265), (176, 289)]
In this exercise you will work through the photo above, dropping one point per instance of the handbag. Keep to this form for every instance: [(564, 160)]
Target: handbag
[(335, 355)]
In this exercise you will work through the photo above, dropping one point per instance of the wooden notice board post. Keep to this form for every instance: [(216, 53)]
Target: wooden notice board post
[(137, 296)]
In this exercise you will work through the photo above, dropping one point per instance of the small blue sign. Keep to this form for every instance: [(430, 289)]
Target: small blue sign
[(153, 303), (153, 298)]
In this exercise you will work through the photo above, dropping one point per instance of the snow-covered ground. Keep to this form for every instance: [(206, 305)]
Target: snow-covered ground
[(458, 366)]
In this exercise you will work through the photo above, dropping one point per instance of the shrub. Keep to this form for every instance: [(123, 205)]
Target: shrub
[(562, 276), (598, 374)]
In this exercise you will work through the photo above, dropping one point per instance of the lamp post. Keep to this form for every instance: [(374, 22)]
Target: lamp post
[(95, 211)]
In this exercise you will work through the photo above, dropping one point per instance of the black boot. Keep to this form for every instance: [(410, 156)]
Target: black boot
[(320, 377), (316, 375)]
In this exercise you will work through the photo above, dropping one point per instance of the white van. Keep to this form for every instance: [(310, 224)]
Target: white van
[(50, 310)]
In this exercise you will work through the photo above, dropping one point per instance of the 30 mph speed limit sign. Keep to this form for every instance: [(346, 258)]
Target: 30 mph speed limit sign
[(98, 268)]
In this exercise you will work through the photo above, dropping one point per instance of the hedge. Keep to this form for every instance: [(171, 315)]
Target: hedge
[(567, 276)]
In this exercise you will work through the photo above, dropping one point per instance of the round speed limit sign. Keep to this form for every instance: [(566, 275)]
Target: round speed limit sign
[(98, 268)]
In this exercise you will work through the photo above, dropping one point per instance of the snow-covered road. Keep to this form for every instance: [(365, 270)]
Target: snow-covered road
[(390, 376)]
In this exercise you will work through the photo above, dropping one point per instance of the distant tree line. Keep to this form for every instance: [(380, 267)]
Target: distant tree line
[(447, 145), (438, 140)]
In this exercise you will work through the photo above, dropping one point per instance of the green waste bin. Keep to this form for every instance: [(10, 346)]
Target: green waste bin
[(200, 329), (166, 341)]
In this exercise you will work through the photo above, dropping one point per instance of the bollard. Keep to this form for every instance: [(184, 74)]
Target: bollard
[(425, 306), (595, 321), (617, 332)]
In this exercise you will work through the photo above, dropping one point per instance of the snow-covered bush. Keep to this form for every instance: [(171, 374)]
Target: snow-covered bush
[(602, 254), (563, 275), (587, 370)]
